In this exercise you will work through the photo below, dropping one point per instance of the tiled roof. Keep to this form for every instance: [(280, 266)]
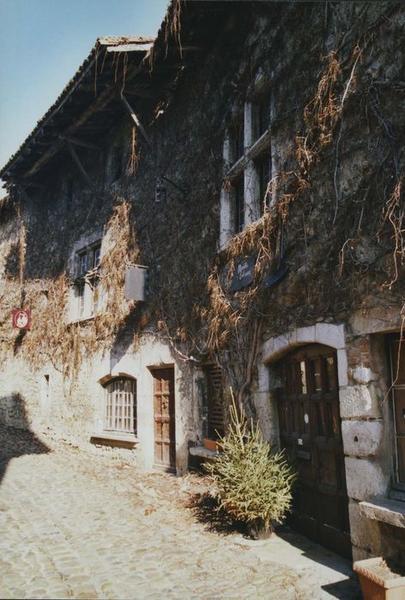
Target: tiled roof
[(201, 21), (136, 43)]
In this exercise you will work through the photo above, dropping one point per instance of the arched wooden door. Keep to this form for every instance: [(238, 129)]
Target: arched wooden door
[(310, 431)]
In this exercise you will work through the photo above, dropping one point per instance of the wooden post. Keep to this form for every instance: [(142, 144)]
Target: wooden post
[(135, 119), (80, 166)]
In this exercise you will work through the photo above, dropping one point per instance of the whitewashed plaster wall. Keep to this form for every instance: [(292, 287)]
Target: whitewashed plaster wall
[(42, 399)]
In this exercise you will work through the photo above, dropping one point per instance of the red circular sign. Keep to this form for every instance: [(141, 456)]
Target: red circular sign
[(21, 318)]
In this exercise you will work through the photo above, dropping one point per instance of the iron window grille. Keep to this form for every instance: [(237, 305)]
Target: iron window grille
[(120, 406), (397, 364)]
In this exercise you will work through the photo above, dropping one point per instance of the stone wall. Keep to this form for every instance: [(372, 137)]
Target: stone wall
[(321, 297), (366, 423)]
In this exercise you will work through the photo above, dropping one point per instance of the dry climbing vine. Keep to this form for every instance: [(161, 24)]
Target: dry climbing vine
[(52, 338), (213, 321)]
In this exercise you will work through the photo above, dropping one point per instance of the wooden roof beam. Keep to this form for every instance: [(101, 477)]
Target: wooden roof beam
[(104, 98), (135, 119), (79, 165), (77, 142)]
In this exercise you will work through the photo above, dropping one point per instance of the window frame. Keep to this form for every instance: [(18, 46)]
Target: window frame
[(260, 105), (86, 287), (80, 290), (237, 137), (263, 178), (256, 146), (238, 205), (398, 484), (85, 259), (110, 417)]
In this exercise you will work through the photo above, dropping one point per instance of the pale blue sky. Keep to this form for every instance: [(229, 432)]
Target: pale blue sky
[(43, 42)]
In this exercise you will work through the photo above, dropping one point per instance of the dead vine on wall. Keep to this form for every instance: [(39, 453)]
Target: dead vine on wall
[(234, 322), (211, 320), (52, 339)]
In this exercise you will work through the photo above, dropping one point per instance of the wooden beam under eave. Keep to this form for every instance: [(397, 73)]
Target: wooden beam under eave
[(99, 103), (135, 119), (105, 97), (140, 92), (79, 165), (77, 142), (33, 184)]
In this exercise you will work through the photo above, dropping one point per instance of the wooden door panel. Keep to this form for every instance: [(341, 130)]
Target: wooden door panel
[(310, 432), (164, 417)]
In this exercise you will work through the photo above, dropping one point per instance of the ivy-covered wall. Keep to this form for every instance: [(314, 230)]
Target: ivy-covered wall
[(334, 72)]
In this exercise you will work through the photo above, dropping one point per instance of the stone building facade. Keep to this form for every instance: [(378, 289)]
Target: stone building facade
[(254, 149)]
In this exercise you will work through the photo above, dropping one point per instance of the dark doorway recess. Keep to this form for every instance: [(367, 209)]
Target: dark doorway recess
[(310, 431)]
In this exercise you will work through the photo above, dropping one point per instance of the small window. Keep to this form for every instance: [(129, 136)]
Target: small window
[(89, 258), (237, 140), (397, 360), (79, 292), (86, 287), (239, 205), (96, 252), (120, 406), (261, 115), (248, 164), (263, 170), (82, 263)]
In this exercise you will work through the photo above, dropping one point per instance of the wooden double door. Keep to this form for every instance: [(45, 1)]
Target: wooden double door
[(310, 431), (164, 418)]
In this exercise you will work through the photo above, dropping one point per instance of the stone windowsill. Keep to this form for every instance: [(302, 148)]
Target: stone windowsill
[(202, 452), (82, 320), (384, 510), (114, 438)]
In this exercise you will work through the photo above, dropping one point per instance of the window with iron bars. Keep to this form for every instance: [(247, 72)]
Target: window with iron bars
[(397, 361), (120, 405)]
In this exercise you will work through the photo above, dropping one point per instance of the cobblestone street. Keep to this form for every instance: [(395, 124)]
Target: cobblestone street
[(74, 524)]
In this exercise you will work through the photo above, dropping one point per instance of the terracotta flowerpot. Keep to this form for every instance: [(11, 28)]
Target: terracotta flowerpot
[(377, 580), (211, 444)]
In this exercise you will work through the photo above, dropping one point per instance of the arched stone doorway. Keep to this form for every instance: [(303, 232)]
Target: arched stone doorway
[(310, 431)]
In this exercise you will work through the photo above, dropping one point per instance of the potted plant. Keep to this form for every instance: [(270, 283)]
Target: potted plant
[(253, 484), (211, 444), (378, 581)]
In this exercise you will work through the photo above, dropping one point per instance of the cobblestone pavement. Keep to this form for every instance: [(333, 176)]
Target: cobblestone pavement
[(74, 524)]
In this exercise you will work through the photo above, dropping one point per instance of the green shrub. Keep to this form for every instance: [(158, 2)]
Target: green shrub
[(253, 483)]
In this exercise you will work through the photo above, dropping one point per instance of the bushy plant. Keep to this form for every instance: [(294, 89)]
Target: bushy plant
[(253, 483)]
